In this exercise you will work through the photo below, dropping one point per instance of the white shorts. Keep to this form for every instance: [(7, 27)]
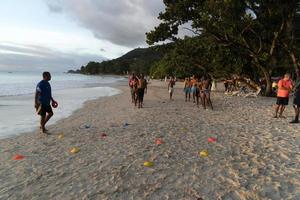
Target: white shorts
[(171, 90)]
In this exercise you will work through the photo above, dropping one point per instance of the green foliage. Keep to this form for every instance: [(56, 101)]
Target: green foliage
[(233, 35)]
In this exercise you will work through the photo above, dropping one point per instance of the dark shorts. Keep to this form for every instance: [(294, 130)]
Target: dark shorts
[(296, 101), (197, 92), (282, 101), (140, 94), (43, 109)]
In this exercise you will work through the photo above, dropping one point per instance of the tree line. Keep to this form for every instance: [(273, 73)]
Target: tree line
[(257, 38)]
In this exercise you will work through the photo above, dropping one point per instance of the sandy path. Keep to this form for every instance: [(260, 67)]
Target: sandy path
[(255, 157)]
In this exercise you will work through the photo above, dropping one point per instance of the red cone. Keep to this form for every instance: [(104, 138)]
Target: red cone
[(211, 139), (18, 157)]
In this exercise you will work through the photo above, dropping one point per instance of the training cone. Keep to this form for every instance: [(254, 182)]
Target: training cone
[(103, 135), (61, 136), (18, 157), (75, 150), (148, 164), (158, 141), (203, 153), (211, 139)]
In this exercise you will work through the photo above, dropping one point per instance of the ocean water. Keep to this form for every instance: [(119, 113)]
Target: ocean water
[(17, 113)]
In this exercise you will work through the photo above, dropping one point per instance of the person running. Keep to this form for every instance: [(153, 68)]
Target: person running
[(171, 87), (285, 85), (42, 100), (141, 90), (296, 101), (131, 84), (187, 89)]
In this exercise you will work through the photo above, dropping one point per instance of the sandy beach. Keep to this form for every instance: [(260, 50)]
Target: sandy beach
[(255, 156)]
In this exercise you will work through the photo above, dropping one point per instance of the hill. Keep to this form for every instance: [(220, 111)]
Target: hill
[(139, 60)]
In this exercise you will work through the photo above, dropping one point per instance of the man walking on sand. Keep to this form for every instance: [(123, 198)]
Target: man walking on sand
[(284, 87), (142, 89), (43, 97), (205, 92), (171, 87), (131, 86)]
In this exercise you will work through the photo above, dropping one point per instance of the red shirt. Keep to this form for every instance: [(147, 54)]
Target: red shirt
[(284, 87)]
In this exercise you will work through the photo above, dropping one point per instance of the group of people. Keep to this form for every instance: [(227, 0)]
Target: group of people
[(138, 88), (199, 89), (285, 87)]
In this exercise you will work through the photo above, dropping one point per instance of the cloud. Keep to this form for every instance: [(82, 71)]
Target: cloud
[(30, 57), (122, 22), (55, 8)]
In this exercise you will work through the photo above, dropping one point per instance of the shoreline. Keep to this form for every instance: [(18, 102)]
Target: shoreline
[(68, 105), (255, 156)]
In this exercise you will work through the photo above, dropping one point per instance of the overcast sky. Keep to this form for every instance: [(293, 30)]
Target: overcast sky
[(64, 34)]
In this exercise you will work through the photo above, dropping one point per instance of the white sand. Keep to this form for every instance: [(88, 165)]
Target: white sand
[(256, 157)]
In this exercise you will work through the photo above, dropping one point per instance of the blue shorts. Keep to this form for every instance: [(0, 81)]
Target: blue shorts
[(187, 90), (194, 89)]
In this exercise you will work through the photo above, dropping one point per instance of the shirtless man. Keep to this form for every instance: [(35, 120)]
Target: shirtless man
[(187, 89), (171, 87), (131, 84), (194, 87), (205, 92), (141, 90)]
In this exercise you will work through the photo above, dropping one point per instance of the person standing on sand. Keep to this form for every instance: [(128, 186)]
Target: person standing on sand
[(296, 101), (43, 97), (194, 87), (134, 90), (141, 90), (205, 92), (131, 84), (187, 89), (171, 87), (284, 87)]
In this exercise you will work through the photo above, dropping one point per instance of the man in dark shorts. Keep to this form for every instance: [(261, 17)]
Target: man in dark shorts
[(296, 102), (171, 87), (205, 92), (285, 85), (142, 88), (43, 97)]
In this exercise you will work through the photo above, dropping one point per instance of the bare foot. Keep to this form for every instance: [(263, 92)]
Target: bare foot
[(44, 131), (281, 116)]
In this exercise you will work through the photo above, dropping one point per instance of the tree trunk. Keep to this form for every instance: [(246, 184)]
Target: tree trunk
[(267, 76), (295, 63)]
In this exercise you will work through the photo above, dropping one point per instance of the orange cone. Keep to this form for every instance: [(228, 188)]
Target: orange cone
[(211, 139), (158, 141), (18, 157)]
